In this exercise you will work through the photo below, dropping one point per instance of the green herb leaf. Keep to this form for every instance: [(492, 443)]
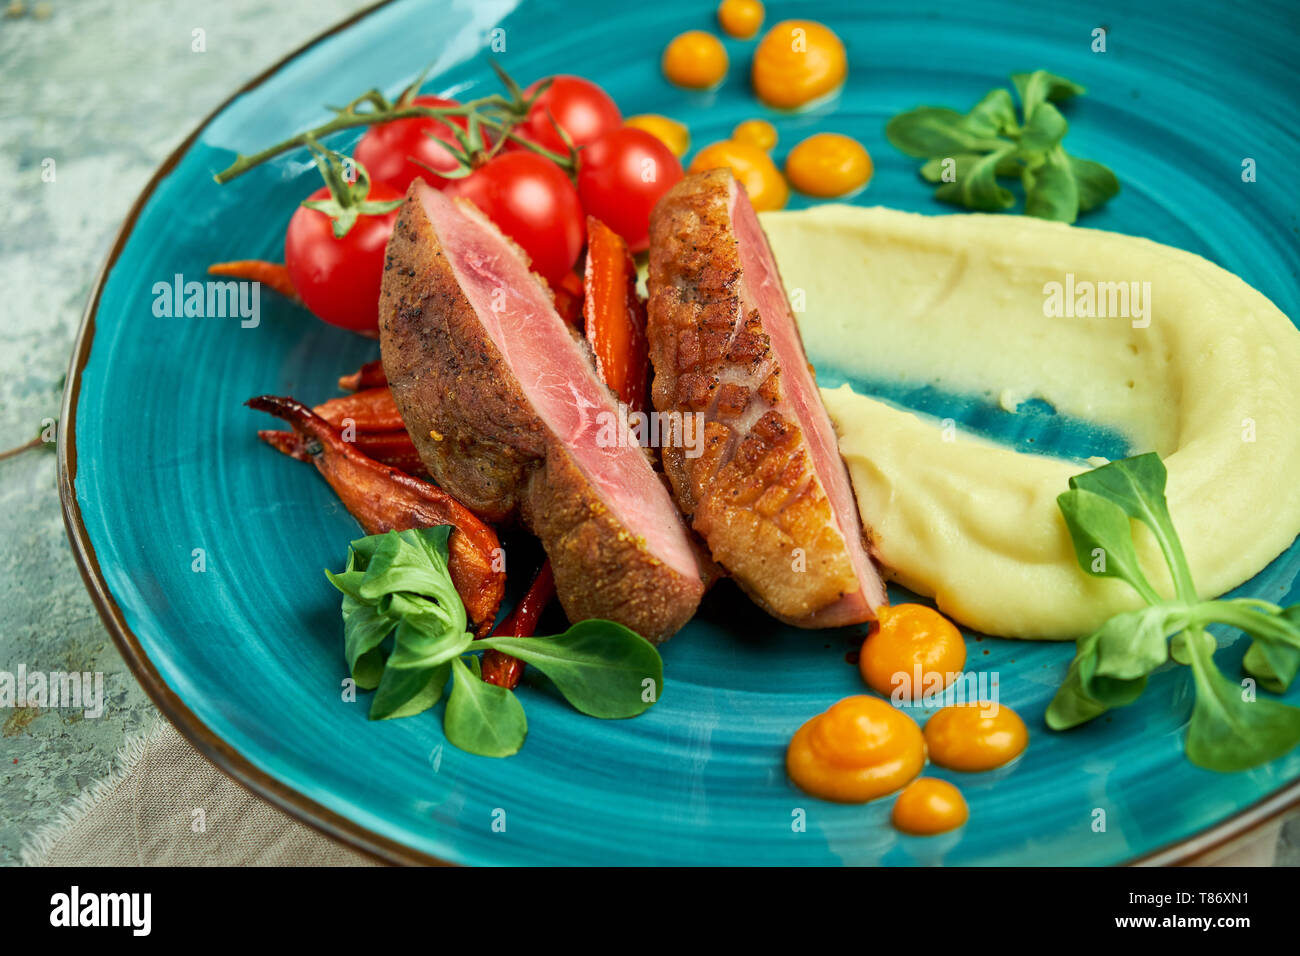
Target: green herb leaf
[(1044, 130), (960, 166), (1135, 643), (364, 629), (1073, 705), (361, 551), (994, 115), (1137, 485), (1096, 183), (1273, 658), (1102, 534), (1085, 694), (482, 718), (1178, 649), (1231, 729), (978, 188), (1057, 186), (364, 626), (1277, 626), (404, 561), (1273, 665), (405, 692), (1110, 691), (1050, 189), (934, 169), (424, 638), (1040, 87), (400, 583), (603, 669), (930, 131), (1229, 732)]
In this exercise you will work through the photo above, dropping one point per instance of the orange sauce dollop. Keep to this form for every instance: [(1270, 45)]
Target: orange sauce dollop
[(975, 736), (695, 60), (740, 18), (927, 806), (911, 643), (859, 749), (756, 132), (752, 166), (828, 165), (798, 62)]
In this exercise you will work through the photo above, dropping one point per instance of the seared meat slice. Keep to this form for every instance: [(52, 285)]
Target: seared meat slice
[(509, 416), (769, 493)]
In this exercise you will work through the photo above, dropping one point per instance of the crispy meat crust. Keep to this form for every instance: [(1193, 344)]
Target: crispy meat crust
[(467, 416), (753, 494), (601, 568), (484, 444)]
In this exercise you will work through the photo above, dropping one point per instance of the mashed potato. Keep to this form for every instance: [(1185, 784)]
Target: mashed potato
[(1196, 365)]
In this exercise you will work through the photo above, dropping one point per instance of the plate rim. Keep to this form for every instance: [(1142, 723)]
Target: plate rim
[(1235, 829), (226, 759)]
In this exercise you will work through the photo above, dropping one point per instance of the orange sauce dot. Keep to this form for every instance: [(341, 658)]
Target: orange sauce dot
[(828, 165), (752, 166), (695, 60), (798, 62), (740, 18), (927, 806), (757, 132), (912, 649), (975, 736), (859, 749)]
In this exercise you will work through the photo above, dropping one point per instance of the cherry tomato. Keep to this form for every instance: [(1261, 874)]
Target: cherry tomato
[(583, 110), (388, 150), (338, 279), (620, 178), (531, 201)]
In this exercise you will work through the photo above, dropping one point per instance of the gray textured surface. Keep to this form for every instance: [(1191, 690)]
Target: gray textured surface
[(106, 90)]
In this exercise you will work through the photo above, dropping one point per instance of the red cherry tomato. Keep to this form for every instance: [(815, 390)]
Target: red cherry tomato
[(387, 151), (620, 178), (583, 110), (531, 201), (338, 279)]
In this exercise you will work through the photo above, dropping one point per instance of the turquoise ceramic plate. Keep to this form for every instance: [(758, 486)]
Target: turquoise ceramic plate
[(161, 458)]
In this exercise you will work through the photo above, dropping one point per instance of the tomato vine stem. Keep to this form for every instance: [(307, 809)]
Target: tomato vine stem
[(496, 112)]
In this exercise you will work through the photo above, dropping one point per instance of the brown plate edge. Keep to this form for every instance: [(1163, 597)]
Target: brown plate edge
[(1236, 829), (221, 754)]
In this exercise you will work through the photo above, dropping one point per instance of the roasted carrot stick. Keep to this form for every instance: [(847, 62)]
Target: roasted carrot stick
[(270, 274), (502, 669), (615, 315), (370, 375), (370, 410), (383, 499), (568, 294), (392, 448)]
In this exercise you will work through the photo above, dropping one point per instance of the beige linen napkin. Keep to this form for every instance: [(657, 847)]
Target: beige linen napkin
[(166, 805)]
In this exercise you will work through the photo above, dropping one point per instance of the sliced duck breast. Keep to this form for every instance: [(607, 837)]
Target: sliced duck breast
[(769, 494), (508, 415)]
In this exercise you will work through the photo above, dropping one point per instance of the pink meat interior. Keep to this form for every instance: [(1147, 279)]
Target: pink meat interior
[(763, 290), (556, 377)]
